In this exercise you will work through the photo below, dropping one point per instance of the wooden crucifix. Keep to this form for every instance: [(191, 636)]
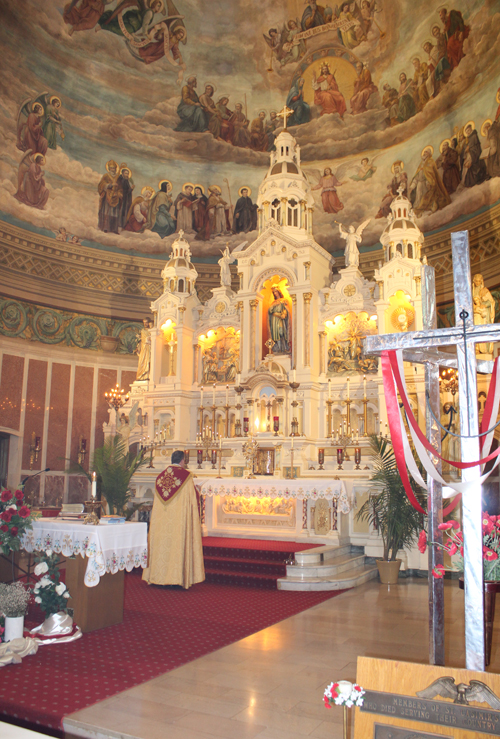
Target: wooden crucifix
[(423, 347)]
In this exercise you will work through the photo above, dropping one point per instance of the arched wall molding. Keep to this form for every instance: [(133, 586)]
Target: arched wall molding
[(258, 282)]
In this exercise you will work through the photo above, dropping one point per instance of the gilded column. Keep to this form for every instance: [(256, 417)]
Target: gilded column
[(307, 329), (322, 335), (196, 359), (294, 326), (253, 312)]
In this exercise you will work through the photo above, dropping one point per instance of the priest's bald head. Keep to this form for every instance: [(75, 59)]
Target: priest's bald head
[(178, 458)]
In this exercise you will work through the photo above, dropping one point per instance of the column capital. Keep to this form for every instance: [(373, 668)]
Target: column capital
[(254, 303), (307, 297)]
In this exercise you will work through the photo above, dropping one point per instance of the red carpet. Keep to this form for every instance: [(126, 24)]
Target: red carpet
[(163, 628), (256, 563)]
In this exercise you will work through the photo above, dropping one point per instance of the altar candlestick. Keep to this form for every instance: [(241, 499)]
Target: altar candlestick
[(213, 397), (201, 395), (294, 375), (227, 394), (329, 389), (364, 386), (348, 388), (94, 485), (292, 443)]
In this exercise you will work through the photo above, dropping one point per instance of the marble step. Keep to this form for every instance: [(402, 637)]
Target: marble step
[(328, 568), (349, 579), (322, 554)]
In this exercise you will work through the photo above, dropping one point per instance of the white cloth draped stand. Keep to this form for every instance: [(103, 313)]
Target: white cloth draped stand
[(108, 547)]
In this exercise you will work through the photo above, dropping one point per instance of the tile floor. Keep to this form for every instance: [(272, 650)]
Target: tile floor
[(270, 685)]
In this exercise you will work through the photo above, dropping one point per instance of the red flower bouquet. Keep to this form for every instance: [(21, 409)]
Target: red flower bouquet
[(15, 518)]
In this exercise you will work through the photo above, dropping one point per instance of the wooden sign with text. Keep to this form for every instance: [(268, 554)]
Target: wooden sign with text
[(404, 699)]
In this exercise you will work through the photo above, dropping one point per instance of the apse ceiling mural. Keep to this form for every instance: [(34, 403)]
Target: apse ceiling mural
[(123, 121)]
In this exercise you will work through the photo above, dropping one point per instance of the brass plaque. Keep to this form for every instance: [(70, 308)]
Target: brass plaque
[(383, 731), (443, 713)]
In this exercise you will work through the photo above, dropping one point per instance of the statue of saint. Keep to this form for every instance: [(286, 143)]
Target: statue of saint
[(279, 323), (225, 272), (144, 351), (450, 445), (124, 427), (484, 310), (352, 239)]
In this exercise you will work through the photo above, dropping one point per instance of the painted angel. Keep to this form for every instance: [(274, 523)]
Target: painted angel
[(352, 239), (30, 125), (364, 170), (328, 183)]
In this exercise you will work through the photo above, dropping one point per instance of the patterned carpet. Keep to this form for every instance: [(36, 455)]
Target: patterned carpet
[(163, 628)]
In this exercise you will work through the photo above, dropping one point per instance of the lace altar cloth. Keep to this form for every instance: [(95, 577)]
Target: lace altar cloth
[(108, 547), (300, 489)]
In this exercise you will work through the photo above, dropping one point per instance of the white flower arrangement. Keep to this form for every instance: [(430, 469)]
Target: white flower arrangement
[(50, 594), (343, 693)]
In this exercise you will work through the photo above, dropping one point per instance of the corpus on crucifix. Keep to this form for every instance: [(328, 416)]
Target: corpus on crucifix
[(423, 347)]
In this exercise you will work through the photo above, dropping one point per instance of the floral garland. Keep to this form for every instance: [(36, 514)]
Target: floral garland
[(15, 518), (343, 693)]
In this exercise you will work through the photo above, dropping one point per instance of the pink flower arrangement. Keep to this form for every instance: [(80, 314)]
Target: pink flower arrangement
[(15, 518), (454, 546)]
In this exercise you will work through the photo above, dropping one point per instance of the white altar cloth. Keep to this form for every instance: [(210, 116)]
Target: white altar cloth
[(299, 489), (108, 547)]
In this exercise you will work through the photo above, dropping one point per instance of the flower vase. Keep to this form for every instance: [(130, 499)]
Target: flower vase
[(14, 627)]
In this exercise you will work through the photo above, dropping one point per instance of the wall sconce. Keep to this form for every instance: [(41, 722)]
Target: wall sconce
[(35, 449), (82, 451)]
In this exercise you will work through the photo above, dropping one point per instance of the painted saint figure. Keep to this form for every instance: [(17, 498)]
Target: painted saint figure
[(162, 221), (139, 214), (190, 110), (245, 213), (126, 185), (29, 131), (279, 323), (427, 191), (184, 208), (363, 89), (326, 92), (110, 198)]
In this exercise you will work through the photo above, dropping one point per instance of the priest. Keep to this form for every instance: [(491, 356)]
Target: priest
[(175, 548)]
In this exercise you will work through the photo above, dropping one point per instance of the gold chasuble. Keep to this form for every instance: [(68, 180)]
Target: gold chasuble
[(175, 548)]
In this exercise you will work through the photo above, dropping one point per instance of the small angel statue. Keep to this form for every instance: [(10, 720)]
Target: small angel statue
[(224, 262), (352, 239)]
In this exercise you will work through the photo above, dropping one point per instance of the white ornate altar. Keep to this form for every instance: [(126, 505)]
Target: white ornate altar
[(276, 354)]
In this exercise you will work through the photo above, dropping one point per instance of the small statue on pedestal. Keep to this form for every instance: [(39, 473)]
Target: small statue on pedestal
[(352, 239)]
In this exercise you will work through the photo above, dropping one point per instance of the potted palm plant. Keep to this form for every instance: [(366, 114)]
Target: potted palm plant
[(388, 509), (115, 466)]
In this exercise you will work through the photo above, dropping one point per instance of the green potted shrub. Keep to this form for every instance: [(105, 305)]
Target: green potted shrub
[(115, 466), (388, 509)]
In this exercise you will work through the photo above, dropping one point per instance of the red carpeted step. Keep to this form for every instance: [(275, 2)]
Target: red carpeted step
[(241, 579), (264, 567)]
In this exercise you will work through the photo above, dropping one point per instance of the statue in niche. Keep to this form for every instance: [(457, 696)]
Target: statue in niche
[(124, 427), (210, 365), (225, 272), (345, 349), (231, 363), (144, 351), (278, 318), (352, 239), (484, 310), (450, 445)]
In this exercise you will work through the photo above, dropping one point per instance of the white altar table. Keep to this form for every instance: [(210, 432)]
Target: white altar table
[(299, 489), (109, 548)]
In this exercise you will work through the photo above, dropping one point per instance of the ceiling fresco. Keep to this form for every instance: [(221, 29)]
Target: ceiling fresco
[(123, 121)]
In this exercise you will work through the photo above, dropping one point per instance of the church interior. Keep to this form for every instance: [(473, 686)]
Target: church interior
[(212, 224)]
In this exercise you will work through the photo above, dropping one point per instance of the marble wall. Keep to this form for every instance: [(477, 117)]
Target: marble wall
[(57, 394)]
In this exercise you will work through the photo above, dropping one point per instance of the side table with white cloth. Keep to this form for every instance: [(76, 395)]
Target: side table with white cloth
[(95, 577)]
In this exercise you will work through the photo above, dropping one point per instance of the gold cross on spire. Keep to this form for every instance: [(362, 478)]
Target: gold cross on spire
[(284, 114)]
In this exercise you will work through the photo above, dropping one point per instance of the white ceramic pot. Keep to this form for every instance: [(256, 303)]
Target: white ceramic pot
[(14, 627)]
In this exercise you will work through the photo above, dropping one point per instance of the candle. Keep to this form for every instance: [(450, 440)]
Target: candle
[(94, 485), (227, 394), (329, 389), (348, 388), (292, 443), (213, 396), (220, 442), (201, 395), (364, 386), (238, 379)]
